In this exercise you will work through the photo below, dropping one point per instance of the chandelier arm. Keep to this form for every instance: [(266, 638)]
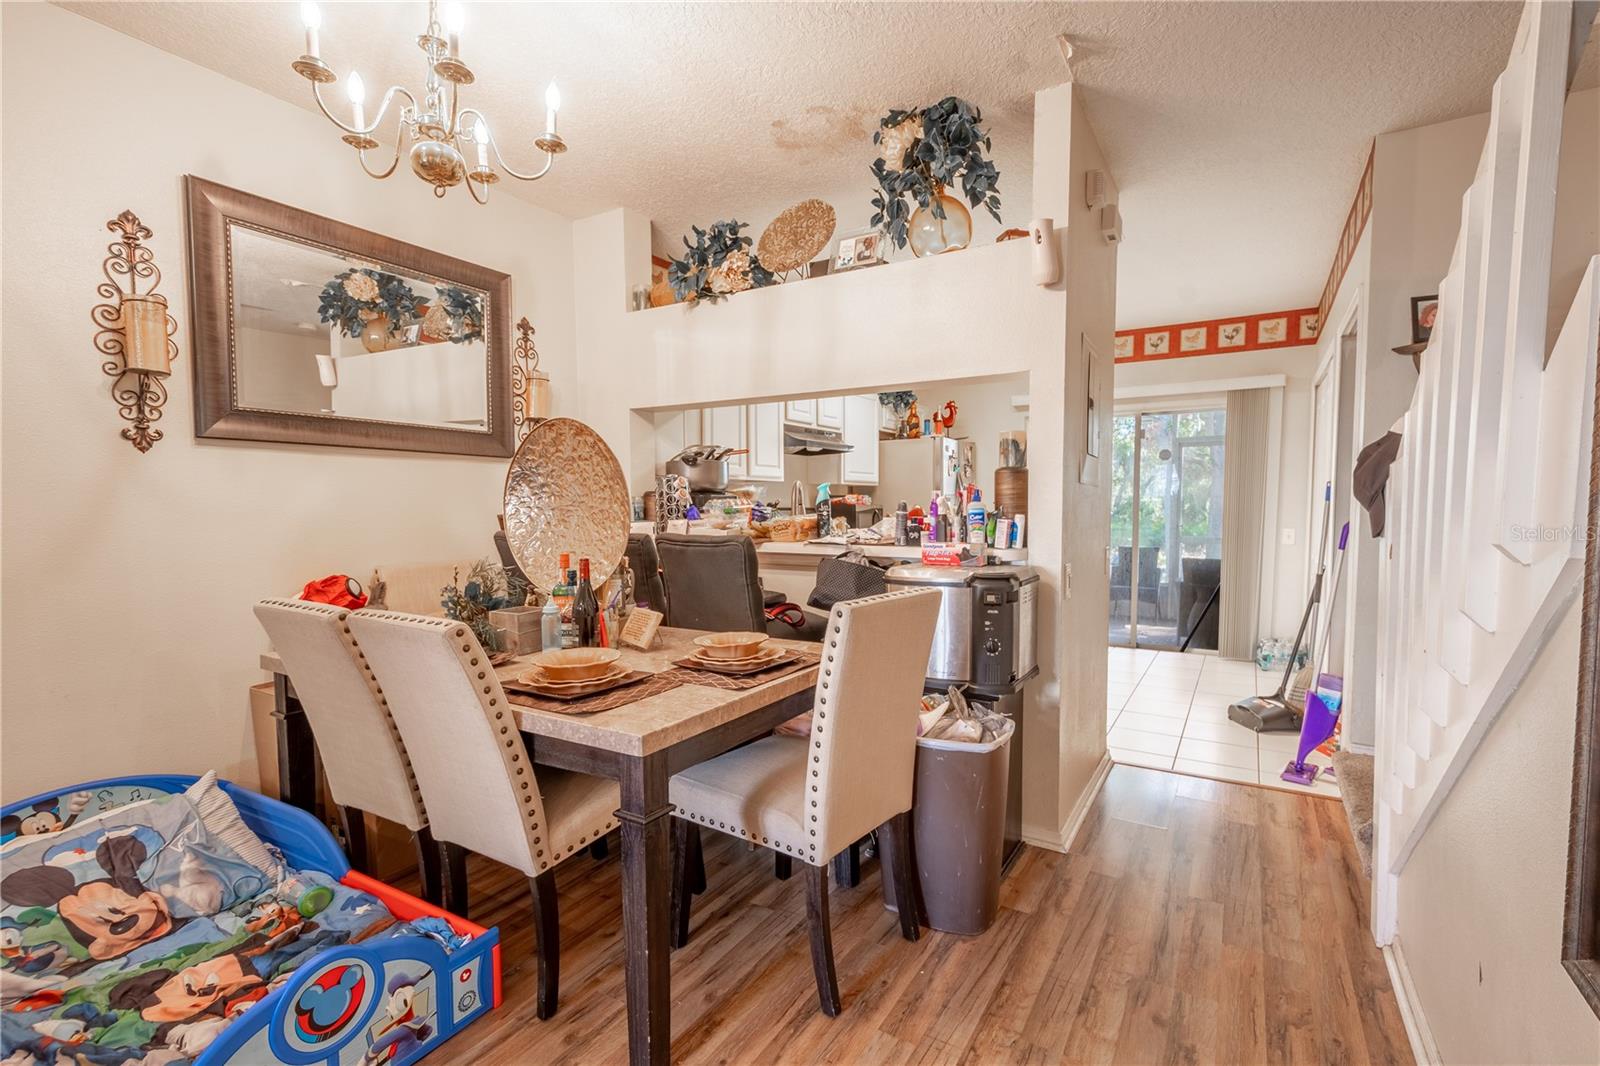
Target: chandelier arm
[(484, 199), (393, 163), (549, 161), (395, 90)]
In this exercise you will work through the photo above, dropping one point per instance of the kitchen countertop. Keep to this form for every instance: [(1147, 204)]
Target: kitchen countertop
[(828, 549), (871, 551)]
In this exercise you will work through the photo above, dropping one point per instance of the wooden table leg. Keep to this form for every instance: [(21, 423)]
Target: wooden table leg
[(297, 749), (646, 907)]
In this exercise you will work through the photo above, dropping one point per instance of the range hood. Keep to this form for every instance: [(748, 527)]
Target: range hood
[(803, 440)]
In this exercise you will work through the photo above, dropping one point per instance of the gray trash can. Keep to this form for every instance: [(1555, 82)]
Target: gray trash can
[(959, 818)]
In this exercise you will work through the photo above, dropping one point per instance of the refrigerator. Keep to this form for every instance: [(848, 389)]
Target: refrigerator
[(913, 470)]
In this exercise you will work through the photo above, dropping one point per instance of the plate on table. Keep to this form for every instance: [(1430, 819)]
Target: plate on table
[(767, 655), (769, 658), (575, 664), (533, 681), (541, 678), (730, 647)]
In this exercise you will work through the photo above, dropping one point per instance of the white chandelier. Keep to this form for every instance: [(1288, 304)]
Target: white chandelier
[(437, 129)]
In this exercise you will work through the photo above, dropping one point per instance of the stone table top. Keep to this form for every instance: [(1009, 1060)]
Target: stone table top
[(654, 722)]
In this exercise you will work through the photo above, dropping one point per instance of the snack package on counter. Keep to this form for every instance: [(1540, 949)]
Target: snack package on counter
[(933, 708)]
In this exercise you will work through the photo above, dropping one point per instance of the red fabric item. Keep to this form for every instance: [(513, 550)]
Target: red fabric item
[(340, 590)]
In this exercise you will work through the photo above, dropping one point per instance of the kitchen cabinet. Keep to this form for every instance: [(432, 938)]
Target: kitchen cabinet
[(675, 431), (726, 427), (764, 438), (859, 418), (800, 412), (830, 412)]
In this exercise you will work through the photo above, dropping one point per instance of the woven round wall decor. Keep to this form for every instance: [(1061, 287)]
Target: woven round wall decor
[(796, 237)]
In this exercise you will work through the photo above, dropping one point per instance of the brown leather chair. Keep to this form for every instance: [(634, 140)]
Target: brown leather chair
[(712, 583), (648, 588)]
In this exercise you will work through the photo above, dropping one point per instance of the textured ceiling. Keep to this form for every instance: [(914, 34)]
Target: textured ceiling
[(1236, 131)]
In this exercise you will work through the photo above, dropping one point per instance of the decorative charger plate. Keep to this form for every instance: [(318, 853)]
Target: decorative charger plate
[(565, 493), (796, 236)]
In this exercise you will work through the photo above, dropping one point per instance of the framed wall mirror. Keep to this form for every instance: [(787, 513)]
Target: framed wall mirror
[(311, 331)]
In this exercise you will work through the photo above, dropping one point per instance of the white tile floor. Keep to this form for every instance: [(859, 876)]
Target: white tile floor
[(1169, 710)]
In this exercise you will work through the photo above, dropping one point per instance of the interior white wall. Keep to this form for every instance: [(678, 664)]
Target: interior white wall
[(1284, 568), (129, 641), (916, 321), (1480, 901), (983, 410)]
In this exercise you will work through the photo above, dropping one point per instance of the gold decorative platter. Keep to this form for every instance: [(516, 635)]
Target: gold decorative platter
[(565, 493)]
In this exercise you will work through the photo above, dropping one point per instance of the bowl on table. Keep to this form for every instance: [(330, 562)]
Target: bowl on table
[(729, 646), (575, 664)]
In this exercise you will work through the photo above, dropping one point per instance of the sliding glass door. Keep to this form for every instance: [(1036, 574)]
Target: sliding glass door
[(1166, 528)]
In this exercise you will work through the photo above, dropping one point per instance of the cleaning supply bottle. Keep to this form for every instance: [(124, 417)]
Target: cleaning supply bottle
[(902, 535), (930, 528), (977, 520)]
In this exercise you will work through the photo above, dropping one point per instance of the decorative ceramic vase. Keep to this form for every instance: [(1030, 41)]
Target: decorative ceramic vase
[(375, 334), (931, 235)]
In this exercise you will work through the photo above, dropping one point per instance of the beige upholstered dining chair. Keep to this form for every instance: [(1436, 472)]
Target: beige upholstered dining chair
[(812, 797), (479, 784), (362, 754)]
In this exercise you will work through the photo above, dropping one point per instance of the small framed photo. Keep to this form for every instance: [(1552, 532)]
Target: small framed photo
[(1424, 310), (859, 249)]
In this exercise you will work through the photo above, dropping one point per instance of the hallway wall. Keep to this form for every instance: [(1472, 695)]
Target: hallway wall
[(1481, 899)]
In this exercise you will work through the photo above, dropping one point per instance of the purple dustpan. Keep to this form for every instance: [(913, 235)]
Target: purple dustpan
[(1317, 727)]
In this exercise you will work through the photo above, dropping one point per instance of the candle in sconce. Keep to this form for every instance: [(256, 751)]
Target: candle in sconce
[(357, 92), (552, 104), (144, 334), (454, 19), (312, 17)]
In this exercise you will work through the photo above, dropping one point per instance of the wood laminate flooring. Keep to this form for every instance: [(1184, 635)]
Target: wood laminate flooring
[(1194, 921)]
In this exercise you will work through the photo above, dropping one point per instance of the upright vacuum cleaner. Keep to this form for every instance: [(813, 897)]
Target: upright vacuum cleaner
[(1274, 713), (1322, 711)]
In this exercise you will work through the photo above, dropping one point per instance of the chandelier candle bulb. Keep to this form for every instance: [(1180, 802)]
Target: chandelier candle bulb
[(357, 92), (552, 104), (480, 134), (312, 17), (454, 20)]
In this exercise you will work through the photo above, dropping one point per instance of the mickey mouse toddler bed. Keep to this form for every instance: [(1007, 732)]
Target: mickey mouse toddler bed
[(169, 920)]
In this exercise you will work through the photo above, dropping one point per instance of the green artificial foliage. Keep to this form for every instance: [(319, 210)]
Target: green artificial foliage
[(695, 277), (396, 299), (950, 148)]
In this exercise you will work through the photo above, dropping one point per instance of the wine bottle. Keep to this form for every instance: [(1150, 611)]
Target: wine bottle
[(586, 609)]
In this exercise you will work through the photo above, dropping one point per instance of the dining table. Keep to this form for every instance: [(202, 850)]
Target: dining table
[(639, 743)]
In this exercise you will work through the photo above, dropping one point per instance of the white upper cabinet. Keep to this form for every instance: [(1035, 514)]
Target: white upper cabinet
[(830, 412), (675, 431), (800, 412), (764, 438), (859, 465), (725, 426)]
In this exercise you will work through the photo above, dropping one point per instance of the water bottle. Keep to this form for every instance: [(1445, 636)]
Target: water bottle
[(550, 627)]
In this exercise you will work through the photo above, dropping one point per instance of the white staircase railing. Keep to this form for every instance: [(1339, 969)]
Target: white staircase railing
[(1488, 497)]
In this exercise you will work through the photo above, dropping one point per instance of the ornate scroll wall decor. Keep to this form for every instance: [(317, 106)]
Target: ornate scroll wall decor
[(135, 332), (530, 386)]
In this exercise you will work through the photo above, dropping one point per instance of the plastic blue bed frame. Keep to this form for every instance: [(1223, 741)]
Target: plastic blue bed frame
[(466, 982)]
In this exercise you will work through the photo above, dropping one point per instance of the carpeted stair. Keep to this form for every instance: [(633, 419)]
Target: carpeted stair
[(1355, 788)]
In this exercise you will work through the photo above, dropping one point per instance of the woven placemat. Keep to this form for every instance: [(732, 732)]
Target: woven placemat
[(691, 675), (638, 685)]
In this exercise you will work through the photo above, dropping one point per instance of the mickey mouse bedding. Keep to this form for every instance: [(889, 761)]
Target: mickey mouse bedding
[(138, 934)]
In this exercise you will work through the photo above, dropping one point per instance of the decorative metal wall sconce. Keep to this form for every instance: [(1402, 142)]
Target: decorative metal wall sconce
[(530, 386), (135, 332)]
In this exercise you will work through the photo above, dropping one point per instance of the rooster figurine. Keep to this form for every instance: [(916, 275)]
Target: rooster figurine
[(948, 415)]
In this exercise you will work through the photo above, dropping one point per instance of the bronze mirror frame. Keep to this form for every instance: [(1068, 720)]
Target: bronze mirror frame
[(211, 208), (1580, 940)]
